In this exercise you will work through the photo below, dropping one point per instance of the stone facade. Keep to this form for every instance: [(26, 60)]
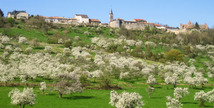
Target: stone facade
[(192, 26), (18, 15), (136, 24)]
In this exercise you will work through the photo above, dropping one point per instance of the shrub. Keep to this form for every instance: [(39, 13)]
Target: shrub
[(68, 43), (173, 55), (60, 41), (35, 42), (28, 50), (48, 49), (53, 40)]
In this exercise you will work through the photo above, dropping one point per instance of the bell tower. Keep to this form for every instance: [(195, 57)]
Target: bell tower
[(111, 16)]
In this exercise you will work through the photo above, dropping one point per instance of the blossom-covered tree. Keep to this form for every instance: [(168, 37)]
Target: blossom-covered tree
[(173, 103), (204, 97), (27, 97), (150, 90), (23, 40), (151, 81), (43, 87), (48, 49), (172, 80), (125, 100), (211, 96), (67, 83), (179, 92)]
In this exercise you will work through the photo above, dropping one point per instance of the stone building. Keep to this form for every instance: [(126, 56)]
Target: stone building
[(82, 18), (18, 15), (136, 24), (192, 26), (95, 22)]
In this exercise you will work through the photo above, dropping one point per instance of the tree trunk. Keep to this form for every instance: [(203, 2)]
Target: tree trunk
[(5, 83), (27, 84), (167, 86), (60, 95), (23, 106), (20, 106), (202, 85), (43, 92), (201, 103), (175, 85)]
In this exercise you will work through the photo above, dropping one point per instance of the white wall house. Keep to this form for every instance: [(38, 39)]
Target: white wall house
[(18, 15), (60, 20), (81, 18)]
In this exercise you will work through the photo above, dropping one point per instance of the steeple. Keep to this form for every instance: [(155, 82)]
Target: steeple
[(111, 12), (189, 23), (111, 16)]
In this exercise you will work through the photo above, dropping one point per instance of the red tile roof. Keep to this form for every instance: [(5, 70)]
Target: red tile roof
[(95, 20), (55, 17), (157, 25), (140, 20), (83, 16)]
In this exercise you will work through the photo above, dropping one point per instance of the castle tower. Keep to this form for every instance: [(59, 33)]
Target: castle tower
[(111, 16)]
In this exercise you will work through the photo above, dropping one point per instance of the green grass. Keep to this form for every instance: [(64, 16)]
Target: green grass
[(30, 34), (100, 98)]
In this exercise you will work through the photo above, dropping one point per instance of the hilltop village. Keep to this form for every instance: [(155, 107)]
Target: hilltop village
[(135, 24)]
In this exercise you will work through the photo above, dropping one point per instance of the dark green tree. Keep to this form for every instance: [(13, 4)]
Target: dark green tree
[(197, 25), (1, 13), (11, 21)]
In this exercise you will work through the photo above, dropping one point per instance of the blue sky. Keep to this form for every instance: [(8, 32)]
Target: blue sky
[(170, 12)]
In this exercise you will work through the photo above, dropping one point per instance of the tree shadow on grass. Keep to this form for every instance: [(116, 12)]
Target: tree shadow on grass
[(51, 94), (78, 97), (209, 106), (156, 97), (199, 88), (158, 87), (189, 102)]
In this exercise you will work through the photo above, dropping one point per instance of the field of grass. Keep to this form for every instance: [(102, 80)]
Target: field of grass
[(90, 98)]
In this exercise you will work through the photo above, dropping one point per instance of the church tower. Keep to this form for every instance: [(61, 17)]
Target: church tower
[(111, 16)]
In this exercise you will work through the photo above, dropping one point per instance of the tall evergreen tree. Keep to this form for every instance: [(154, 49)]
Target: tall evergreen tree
[(1, 13), (197, 25)]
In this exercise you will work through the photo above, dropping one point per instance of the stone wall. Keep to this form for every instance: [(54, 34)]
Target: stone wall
[(115, 24), (136, 26)]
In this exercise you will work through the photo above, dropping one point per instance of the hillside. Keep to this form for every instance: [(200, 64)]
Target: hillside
[(83, 63)]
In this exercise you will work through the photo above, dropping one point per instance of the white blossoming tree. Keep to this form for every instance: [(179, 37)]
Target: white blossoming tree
[(67, 83), (151, 81), (125, 100), (173, 103), (211, 96), (150, 90), (23, 40), (172, 80), (179, 92), (27, 97), (48, 49), (43, 87), (204, 97)]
